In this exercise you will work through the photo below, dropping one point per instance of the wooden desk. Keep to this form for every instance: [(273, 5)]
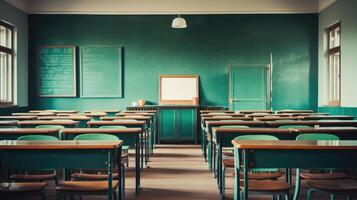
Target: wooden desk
[(219, 111), (306, 114), (18, 117), (222, 114), (130, 136), (344, 133), (273, 118), (34, 123), (129, 124), (142, 111), (328, 117), (55, 111), (294, 111), (94, 116), (267, 115), (14, 133), (314, 123), (254, 111), (35, 114), (291, 154), (134, 114), (30, 155), (82, 119), (109, 112), (8, 123)]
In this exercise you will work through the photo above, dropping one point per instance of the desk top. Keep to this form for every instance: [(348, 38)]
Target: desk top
[(54, 111), (319, 122), (343, 129), (307, 114), (296, 145), (254, 111), (99, 114), (216, 118), (267, 115), (18, 117), (48, 122), (140, 111), (137, 117), (219, 130), (233, 122), (64, 145), (96, 111), (74, 117), (219, 111), (274, 118), (122, 122), (8, 123), (100, 130), (35, 114), (135, 114), (28, 130), (294, 111), (317, 117), (222, 114)]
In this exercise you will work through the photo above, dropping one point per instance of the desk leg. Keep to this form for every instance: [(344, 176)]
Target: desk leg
[(288, 176), (297, 184), (209, 155), (204, 144), (236, 176), (245, 171), (137, 164), (110, 178), (219, 165), (142, 151)]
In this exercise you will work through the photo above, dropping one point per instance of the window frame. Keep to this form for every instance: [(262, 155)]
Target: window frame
[(331, 52), (11, 51)]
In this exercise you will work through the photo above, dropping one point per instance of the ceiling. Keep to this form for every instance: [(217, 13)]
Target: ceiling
[(169, 6)]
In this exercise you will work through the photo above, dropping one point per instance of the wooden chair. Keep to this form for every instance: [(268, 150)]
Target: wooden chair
[(331, 182), (43, 175), (86, 182), (262, 180), (20, 190)]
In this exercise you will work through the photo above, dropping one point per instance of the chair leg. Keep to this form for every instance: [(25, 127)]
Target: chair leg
[(123, 183), (273, 197), (43, 195), (278, 197), (349, 197), (309, 194), (332, 197), (223, 183), (287, 196)]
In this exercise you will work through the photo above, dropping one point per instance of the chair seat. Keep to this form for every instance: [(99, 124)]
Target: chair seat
[(33, 177), (92, 177), (266, 186), (334, 186), (323, 176), (6, 187), (85, 186)]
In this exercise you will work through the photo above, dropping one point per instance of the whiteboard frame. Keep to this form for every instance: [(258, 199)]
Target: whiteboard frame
[(176, 101), (73, 47)]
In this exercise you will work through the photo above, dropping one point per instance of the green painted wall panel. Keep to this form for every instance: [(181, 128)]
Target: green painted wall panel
[(188, 126), (167, 124), (207, 47)]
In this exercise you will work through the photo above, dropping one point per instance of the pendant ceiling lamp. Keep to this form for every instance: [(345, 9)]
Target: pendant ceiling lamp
[(178, 22)]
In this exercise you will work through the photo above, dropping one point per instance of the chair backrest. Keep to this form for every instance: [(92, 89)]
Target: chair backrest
[(38, 137), (256, 137), (96, 136), (116, 127), (317, 136), (294, 126), (50, 126)]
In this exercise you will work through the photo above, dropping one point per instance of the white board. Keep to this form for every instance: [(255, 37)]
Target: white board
[(178, 90)]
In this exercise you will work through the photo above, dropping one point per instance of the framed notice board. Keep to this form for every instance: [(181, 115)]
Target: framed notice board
[(178, 89), (56, 71), (101, 72)]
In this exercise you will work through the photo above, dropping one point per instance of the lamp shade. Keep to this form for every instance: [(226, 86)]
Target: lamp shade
[(179, 22)]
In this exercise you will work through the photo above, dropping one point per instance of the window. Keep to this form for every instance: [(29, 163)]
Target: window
[(334, 64), (6, 64)]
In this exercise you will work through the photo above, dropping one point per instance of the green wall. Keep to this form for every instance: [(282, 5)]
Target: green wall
[(207, 47), (19, 19), (345, 12)]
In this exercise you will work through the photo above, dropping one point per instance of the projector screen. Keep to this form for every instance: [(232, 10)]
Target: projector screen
[(176, 89)]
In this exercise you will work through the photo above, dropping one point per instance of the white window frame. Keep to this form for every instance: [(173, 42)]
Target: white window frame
[(334, 68), (8, 100)]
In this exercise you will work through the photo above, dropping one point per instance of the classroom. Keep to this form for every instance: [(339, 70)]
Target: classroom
[(178, 99)]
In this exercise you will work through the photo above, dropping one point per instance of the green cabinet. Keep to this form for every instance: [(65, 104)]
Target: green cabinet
[(177, 124)]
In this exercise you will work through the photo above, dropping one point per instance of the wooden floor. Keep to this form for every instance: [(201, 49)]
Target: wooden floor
[(178, 172)]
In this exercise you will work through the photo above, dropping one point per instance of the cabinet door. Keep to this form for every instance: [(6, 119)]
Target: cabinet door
[(167, 124), (187, 124)]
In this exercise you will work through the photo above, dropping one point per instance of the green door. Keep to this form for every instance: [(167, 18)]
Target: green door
[(249, 88), (187, 124), (168, 124)]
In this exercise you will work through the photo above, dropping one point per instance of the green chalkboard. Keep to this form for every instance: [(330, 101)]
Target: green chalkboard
[(101, 72), (56, 71)]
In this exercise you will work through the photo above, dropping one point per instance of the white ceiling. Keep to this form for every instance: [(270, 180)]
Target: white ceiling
[(169, 6)]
